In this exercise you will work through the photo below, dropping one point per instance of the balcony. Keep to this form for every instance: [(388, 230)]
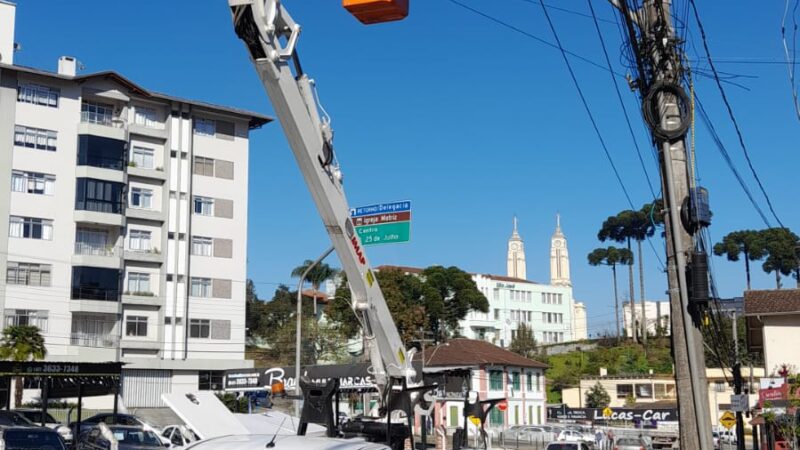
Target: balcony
[(95, 293), (147, 256), (146, 300), (93, 340), (100, 151), (92, 254), (146, 214)]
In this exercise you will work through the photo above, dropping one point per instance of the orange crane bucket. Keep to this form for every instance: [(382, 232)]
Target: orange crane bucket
[(377, 11)]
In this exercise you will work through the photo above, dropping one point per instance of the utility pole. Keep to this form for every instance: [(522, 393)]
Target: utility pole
[(422, 341), (661, 94), (737, 382)]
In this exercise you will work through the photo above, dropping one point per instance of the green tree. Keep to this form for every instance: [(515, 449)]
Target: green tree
[(611, 256), (450, 293), (747, 243), (21, 343), (254, 311), (524, 343), (623, 228), (597, 397), (781, 249), (316, 276)]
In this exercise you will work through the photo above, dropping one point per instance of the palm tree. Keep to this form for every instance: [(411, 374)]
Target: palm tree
[(21, 343), (316, 276), (623, 228), (748, 243), (612, 256)]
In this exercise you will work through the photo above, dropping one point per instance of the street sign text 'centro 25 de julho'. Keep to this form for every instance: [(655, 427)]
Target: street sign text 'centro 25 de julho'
[(383, 223)]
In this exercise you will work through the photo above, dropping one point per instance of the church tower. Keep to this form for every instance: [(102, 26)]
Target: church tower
[(559, 257), (516, 255)]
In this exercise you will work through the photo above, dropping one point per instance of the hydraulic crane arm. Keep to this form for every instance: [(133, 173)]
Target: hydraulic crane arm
[(271, 38)]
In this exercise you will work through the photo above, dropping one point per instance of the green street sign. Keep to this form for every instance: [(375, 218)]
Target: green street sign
[(384, 233)]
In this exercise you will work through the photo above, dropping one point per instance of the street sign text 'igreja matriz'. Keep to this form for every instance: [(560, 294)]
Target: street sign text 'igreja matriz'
[(384, 223)]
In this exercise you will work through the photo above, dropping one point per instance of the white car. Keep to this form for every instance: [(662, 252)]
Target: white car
[(286, 442), (178, 436), (573, 436), (727, 436)]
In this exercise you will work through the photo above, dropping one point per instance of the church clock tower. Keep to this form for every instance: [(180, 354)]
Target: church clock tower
[(516, 255), (559, 257)]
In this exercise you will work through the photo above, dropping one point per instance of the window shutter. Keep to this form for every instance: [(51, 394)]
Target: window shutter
[(223, 248), (221, 329), (223, 208), (221, 288), (223, 169)]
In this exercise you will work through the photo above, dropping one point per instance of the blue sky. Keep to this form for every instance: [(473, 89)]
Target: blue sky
[(472, 122)]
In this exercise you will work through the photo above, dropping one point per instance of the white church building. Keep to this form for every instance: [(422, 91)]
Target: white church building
[(548, 309)]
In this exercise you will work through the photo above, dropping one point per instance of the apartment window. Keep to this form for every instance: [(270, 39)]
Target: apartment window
[(199, 328), (28, 274), (92, 241), (496, 293), (95, 283), (529, 382), (203, 166), (204, 206), (145, 116), (36, 138), (138, 283), (624, 390), (141, 198), (496, 314), (143, 157), (210, 380), (202, 246), (139, 240), (99, 196), (515, 381), (38, 95), (33, 182), (496, 380), (21, 317), (103, 152), (30, 228), (136, 326), (538, 382), (201, 287), (204, 127), (99, 113), (644, 391)]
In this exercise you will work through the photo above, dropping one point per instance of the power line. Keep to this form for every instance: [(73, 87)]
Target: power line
[(569, 11), (530, 35), (585, 104), (730, 113)]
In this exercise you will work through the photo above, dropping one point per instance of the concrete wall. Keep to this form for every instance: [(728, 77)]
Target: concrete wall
[(779, 332)]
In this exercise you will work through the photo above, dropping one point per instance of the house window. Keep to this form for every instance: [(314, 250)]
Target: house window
[(33, 182), (30, 228), (202, 246), (38, 95), (204, 127), (199, 328), (18, 317), (719, 386), (204, 206), (644, 391), (36, 138), (496, 314), (92, 241), (210, 380), (145, 117), (99, 113), (538, 382), (201, 287), (453, 416), (141, 198), (142, 157), (515, 384), (138, 283), (203, 166), (136, 326), (624, 390), (28, 274), (496, 380), (496, 417), (529, 382), (139, 240)]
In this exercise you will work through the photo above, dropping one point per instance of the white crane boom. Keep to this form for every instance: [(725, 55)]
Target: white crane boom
[(271, 38)]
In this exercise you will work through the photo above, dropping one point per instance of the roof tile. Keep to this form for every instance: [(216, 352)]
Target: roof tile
[(471, 352), (774, 301)]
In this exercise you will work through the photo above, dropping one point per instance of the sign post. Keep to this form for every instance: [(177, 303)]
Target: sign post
[(384, 223)]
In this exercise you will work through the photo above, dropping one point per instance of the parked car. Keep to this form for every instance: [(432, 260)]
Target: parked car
[(35, 416), (127, 437), (715, 439), (727, 436), (526, 433), (630, 443), (30, 437), (574, 436), (567, 446), (178, 436), (283, 441), (11, 418), (108, 419)]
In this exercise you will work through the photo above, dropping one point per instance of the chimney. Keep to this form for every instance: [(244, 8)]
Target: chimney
[(67, 65), (7, 12)]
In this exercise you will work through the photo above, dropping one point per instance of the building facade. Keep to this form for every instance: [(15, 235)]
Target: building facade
[(124, 221), (656, 312), (773, 324)]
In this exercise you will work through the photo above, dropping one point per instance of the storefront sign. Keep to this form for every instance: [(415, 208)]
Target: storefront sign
[(619, 414), (352, 377)]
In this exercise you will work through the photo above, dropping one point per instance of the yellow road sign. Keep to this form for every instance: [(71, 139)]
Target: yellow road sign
[(607, 412), (475, 421), (727, 420)]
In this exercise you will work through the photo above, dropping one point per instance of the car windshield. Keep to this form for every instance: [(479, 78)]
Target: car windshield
[(133, 436), (36, 416), (34, 439), (12, 418)]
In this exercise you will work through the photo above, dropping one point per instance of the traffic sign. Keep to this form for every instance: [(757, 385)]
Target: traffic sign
[(384, 223), (728, 420), (607, 412), (739, 402)]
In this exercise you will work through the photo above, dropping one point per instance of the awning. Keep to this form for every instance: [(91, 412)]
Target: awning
[(65, 379)]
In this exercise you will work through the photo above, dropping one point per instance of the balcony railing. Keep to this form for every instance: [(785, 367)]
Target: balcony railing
[(100, 206), (101, 118), (93, 340), (87, 248), (95, 293), (102, 162)]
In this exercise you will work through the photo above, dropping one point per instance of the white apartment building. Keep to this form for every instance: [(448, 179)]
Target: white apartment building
[(124, 221), (656, 313)]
